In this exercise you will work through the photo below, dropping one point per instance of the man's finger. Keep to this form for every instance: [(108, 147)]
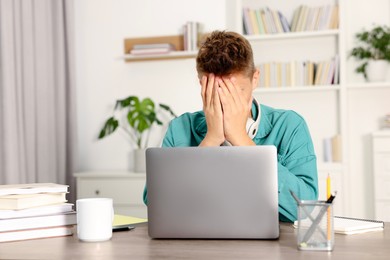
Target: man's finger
[(209, 89)]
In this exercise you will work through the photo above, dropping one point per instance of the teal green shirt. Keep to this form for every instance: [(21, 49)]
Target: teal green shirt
[(285, 129)]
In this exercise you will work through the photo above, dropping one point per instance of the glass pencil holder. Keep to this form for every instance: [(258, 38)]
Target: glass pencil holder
[(315, 226)]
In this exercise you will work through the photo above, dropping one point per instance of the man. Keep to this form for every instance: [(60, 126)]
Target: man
[(228, 76)]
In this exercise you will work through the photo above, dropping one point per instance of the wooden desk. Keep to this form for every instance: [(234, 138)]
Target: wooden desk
[(136, 244)]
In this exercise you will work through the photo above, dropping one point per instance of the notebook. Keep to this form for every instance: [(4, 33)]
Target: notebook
[(212, 192), (350, 226)]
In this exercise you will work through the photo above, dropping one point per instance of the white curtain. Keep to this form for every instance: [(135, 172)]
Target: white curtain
[(37, 95)]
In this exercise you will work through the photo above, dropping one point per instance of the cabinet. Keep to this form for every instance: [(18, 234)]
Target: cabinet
[(125, 188), (381, 174)]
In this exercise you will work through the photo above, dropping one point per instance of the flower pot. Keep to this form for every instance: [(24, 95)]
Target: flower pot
[(376, 70), (139, 160)]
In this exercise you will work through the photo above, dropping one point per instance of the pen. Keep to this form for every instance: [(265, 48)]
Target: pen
[(317, 220), (122, 228)]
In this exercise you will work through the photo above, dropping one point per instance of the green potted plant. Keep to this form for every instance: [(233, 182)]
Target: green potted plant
[(373, 51), (136, 118)]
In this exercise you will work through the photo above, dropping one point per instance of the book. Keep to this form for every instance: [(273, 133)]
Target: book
[(150, 51), (32, 188), (277, 22), (253, 21), (24, 201), (153, 46), (36, 211), (247, 22), (35, 233), (55, 220), (260, 22), (295, 19), (350, 226), (283, 20)]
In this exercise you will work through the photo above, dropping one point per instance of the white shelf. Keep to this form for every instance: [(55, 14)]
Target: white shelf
[(292, 35), (171, 55), (297, 89), (374, 85)]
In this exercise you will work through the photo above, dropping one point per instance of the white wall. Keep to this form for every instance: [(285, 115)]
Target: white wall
[(102, 77), (366, 108)]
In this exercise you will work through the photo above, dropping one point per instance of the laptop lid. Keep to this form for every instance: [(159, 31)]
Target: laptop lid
[(212, 192)]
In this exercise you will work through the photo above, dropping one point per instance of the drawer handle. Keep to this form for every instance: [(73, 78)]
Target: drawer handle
[(97, 192)]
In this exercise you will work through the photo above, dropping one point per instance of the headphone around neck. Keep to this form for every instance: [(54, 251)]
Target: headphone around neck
[(252, 126)]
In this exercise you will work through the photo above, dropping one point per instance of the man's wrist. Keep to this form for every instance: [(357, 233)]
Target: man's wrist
[(209, 141), (244, 140)]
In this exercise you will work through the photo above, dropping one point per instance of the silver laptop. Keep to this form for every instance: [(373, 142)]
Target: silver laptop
[(212, 192)]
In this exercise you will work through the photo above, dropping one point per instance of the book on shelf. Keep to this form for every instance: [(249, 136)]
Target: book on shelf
[(317, 18), (32, 188), (260, 22), (150, 51), (298, 73), (154, 46), (54, 220), (24, 201), (270, 21), (264, 21), (191, 35), (333, 149), (253, 21), (36, 211), (295, 18), (246, 21), (350, 226), (36, 233), (284, 22), (276, 20)]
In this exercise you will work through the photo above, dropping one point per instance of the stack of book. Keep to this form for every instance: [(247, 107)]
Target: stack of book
[(38, 210), (269, 21), (191, 35), (315, 18), (152, 49), (264, 21), (299, 73)]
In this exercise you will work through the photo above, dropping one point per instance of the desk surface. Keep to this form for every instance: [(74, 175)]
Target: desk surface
[(136, 244)]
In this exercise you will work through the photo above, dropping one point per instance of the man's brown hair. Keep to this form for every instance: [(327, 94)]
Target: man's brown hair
[(224, 53)]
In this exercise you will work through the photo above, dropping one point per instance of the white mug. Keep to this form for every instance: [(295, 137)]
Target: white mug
[(94, 219)]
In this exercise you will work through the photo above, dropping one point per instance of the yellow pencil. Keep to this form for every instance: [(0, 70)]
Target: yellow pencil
[(328, 194)]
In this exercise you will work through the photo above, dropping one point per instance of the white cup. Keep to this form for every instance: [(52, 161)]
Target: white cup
[(94, 219)]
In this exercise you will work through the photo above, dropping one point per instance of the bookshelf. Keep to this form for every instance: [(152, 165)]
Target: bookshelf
[(322, 106), (292, 35), (371, 85)]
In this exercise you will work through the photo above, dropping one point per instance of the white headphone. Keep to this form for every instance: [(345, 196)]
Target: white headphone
[(252, 126)]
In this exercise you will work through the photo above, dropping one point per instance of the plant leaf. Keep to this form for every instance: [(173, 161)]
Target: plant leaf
[(109, 127), (142, 115), (168, 109)]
